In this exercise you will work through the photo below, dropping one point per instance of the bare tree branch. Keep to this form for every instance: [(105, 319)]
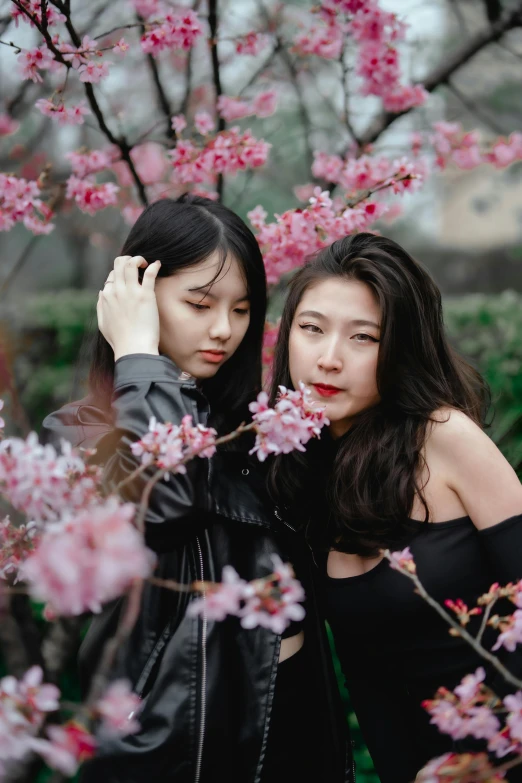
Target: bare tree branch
[(476, 110), (216, 73)]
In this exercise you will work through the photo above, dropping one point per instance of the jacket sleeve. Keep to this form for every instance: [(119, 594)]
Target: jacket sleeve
[(146, 386)]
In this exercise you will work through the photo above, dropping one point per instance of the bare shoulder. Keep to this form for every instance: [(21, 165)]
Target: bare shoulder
[(453, 431), (471, 465)]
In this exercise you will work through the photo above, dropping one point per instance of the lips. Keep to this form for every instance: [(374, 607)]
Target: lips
[(325, 390), (213, 356)]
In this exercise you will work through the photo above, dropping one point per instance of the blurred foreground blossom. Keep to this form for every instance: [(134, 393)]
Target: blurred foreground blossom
[(89, 559)]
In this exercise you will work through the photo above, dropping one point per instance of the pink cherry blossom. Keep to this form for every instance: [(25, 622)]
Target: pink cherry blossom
[(8, 125), (322, 40), (43, 484), (179, 123), (403, 561), (470, 685), (288, 425), (204, 123), (465, 767), (93, 72), (131, 213), (227, 153), (121, 47), (117, 708), (265, 103), (147, 8), (89, 195), (511, 634), (23, 705), (223, 599), (88, 559), (481, 723), (91, 162), (233, 108), (166, 444), (34, 8), (72, 115), (405, 98), (32, 61), (252, 43), (178, 30), (16, 542), (277, 603), (513, 703), (68, 746)]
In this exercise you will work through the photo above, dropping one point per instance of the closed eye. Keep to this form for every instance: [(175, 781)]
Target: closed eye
[(241, 311), (310, 328), (198, 306)]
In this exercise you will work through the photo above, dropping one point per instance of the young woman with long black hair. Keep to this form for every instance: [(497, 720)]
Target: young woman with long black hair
[(405, 463), (179, 337)]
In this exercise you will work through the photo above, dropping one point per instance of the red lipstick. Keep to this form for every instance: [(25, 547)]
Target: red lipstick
[(325, 390)]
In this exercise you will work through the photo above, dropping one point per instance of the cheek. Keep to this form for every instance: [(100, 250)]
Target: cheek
[(297, 358)]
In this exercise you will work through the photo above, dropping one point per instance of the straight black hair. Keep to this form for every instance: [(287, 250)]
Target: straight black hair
[(181, 233), (360, 500)]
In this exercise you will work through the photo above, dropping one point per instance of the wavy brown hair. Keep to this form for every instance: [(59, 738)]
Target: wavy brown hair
[(357, 493)]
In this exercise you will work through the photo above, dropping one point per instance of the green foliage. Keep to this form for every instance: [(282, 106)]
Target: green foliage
[(487, 329)]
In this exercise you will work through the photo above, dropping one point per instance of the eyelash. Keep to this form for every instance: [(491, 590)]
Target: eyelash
[(312, 327), (200, 308)]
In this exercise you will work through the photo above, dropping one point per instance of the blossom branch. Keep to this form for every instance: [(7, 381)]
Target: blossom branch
[(213, 22), (452, 63), (457, 628)]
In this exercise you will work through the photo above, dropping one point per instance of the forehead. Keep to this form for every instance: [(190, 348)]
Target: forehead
[(341, 299), (230, 280)]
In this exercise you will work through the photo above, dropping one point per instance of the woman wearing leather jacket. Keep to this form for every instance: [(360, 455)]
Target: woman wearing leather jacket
[(179, 337)]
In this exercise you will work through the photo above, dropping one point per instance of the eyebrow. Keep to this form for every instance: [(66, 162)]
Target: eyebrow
[(351, 322), (210, 295)]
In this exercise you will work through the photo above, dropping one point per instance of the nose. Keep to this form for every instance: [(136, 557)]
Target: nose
[(330, 359), (221, 329)]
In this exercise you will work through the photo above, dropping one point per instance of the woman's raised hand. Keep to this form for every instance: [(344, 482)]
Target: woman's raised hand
[(127, 312)]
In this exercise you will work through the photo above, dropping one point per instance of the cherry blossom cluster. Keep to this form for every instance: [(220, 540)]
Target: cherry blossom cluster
[(178, 30), (34, 9), (463, 148), (43, 484), (72, 115), (269, 342), (289, 425), (91, 196), (370, 171), (170, 446), (20, 202), (16, 542), (377, 33), (24, 705), (298, 233), (226, 153), (86, 162), (232, 109), (87, 559), (252, 43), (271, 602), (471, 710), (462, 767)]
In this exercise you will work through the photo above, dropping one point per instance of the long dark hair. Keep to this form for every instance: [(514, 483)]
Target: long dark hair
[(361, 499), (182, 233)]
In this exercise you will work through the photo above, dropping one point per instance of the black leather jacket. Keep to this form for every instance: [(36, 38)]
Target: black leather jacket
[(207, 687)]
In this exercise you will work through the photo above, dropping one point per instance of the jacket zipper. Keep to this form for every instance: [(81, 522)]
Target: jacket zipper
[(203, 704)]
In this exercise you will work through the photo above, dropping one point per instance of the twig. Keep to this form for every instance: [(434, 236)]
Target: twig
[(472, 107), (459, 629)]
